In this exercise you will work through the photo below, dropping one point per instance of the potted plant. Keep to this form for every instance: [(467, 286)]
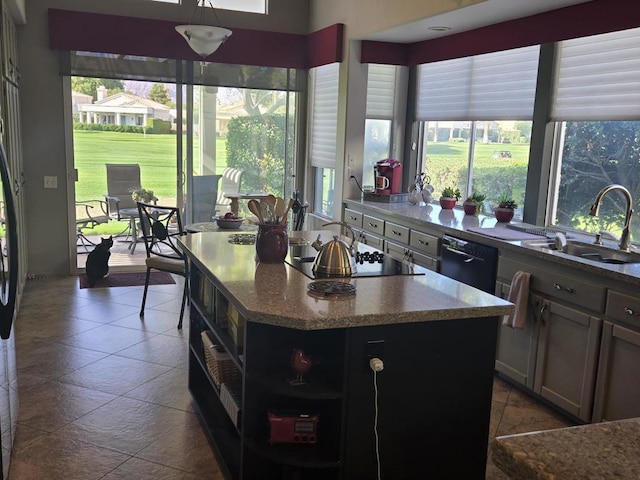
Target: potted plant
[(506, 206), (143, 195), (474, 204), (449, 197)]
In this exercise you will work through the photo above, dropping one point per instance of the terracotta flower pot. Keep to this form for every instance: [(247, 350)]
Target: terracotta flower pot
[(470, 208), (448, 202), (503, 215)]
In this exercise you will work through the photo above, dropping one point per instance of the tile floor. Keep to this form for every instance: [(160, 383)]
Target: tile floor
[(103, 395)]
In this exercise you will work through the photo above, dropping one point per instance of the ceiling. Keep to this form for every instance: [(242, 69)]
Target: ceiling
[(468, 18)]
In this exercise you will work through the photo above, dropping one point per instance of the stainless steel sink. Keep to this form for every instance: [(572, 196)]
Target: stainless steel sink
[(587, 251)]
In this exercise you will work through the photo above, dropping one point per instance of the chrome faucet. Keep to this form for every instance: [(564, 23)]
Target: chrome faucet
[(625, 238)]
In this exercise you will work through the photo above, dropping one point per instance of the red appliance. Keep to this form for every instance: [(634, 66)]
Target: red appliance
[(293, 428), (388, 174)]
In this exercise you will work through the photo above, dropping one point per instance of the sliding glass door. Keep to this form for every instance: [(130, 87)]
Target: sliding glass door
[(187, 130)]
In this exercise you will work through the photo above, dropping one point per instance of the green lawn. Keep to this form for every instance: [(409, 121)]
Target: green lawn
[(446, 165), (156, 155)]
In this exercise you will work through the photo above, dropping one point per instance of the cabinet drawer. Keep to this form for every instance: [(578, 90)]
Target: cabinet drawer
[(425, 261), (624, 308), (352, 217), (396, 232), (397, 251), (556, 285), (369, 239), (424, 243), (373, 224)]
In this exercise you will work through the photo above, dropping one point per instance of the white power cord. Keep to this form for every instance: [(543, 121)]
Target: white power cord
[(376, 366)]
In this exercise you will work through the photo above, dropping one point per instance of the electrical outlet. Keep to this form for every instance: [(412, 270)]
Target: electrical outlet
[(373, 349)]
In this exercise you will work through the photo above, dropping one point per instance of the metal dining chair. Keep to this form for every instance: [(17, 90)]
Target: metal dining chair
[(161, 227)]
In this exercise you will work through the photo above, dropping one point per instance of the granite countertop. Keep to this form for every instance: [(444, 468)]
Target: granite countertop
[(597, 451), (455, 222), (279, 295)]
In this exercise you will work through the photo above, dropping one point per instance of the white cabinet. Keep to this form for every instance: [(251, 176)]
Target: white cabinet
[(556, 354), (618, 387), (405, 242), (369, 236), (567, 358), (517, 347)]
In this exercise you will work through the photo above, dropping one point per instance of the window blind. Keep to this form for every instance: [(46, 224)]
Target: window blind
[(324, 115), (598, 77), (493, 86), (151, 69), (381, 89)]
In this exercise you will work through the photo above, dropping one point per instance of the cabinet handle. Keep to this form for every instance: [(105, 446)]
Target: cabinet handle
[(629, 311), (399, 234), (351, 217), (422, 242), (374, 225), (542, 309), (566, 289)]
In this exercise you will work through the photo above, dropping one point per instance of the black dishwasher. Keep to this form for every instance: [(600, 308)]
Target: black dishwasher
[(469, 262)]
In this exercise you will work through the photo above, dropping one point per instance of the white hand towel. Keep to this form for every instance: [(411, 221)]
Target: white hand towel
[(519, 296)]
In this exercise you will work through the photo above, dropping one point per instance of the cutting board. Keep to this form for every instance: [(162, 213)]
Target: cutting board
[(505, 233)]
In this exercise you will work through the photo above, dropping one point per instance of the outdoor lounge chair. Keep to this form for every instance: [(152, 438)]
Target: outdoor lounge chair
[(231, 178), (89, 214)]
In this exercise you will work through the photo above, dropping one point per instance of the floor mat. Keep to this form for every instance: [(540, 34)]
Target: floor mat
[(129, 280)]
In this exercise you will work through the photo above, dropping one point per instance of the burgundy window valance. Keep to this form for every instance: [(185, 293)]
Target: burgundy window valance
[(95, 32)]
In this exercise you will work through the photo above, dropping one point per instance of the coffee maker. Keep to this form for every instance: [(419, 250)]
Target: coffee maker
[(388, 176)]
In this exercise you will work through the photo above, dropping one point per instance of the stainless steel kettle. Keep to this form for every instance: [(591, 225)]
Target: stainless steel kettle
[(334, 258)]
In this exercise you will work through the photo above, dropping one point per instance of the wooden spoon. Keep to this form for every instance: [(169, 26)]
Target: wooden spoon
[(254, 207), (279, 209), (283, 221), (271, 202)]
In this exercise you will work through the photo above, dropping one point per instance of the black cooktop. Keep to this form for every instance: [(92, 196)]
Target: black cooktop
[(369, 262)]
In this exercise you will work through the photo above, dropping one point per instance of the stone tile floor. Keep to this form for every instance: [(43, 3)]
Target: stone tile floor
[(103, 395)]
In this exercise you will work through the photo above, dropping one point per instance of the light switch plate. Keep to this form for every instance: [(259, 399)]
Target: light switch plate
[(50, 182)]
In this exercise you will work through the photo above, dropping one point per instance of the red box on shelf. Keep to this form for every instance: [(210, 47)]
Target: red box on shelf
[(293, 428)]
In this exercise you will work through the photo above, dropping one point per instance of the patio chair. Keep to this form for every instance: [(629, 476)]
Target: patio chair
[(89, 214), (231, 178), (121, 179), (161, 227)]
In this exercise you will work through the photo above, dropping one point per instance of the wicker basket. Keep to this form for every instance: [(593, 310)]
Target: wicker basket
[(219, 363)]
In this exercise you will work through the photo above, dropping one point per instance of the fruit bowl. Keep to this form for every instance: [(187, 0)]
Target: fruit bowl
[(229, 223)]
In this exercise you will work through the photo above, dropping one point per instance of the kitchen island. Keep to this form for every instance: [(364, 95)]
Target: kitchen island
[(425, 414)]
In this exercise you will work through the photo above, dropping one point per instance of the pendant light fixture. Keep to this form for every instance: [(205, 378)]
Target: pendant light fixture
[(203, 39)]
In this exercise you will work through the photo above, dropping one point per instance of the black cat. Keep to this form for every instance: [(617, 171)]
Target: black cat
[(97, 266)]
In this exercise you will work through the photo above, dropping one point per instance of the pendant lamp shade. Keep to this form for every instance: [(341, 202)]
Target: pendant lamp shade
[(203, 39)]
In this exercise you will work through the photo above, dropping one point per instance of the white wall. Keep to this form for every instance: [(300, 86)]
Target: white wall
[(43, 108), (363, 17)]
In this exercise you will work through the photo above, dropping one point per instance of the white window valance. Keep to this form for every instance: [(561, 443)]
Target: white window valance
[(598, 77), (323, 128), (493, 86), (381, 89)]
